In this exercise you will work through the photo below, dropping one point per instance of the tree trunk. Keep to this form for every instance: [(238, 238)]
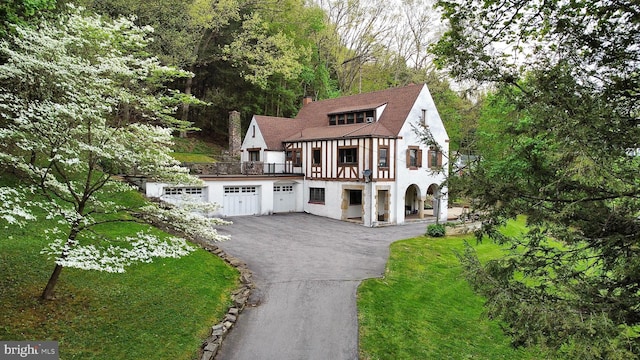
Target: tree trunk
[(185, 107), (47, 294)]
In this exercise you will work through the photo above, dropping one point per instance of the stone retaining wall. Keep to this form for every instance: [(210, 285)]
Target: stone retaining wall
[(240, 296), (462, 228)]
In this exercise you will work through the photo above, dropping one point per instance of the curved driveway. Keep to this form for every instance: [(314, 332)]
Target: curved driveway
[(306, 270)]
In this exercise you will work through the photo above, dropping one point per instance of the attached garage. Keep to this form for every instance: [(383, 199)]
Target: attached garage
[(284, 197), (179, 194), (241, 200)]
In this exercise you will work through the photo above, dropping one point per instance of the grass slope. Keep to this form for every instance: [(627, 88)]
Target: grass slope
[(423, 308), (195, 150), (161, 310)]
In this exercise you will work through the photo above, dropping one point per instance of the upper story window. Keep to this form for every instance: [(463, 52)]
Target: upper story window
[(414, 157), (352, 117), (294, 156), (348, 156), (254, 155), (383, 157), (435, 158), (317, 157)]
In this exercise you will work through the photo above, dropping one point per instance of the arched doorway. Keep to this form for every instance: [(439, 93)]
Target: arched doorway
[(412, 202), (432, 203)]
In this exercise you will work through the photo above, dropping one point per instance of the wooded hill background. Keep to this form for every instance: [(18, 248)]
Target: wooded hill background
[(263, 56)]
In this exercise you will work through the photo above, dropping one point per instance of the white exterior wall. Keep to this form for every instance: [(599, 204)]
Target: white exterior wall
[(422, 177), (332, 207), (272, 157), (253, 142), (214, 192)]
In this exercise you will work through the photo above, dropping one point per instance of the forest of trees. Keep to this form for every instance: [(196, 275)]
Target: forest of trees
[(262, 57)]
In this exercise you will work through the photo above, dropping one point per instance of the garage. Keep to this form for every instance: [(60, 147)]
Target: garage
[(284, 197), (241, 200), (179, 194)]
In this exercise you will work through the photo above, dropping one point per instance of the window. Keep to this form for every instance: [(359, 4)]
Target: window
[(254, 155), (355, 197), (193, 191), (240, 189), (182, 191), (283, 188), (295, 156), (383, 157), (253, 131), (347, 156), (414, 157), (354, 117), (316, 195), (317, 157), (435, 158), (351, 118)]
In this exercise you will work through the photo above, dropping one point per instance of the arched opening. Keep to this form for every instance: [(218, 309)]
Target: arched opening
[(412, 202), (432, 203)]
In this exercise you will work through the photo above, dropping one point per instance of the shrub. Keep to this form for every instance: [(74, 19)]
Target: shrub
[(435, 230)]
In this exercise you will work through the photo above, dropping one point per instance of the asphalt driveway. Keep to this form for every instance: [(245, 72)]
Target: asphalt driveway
[(306, 270)]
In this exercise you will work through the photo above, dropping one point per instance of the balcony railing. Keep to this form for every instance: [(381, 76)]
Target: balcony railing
[(261, 168)]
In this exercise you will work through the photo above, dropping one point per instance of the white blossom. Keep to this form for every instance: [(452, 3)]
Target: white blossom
[(141, 248), (62, 87)]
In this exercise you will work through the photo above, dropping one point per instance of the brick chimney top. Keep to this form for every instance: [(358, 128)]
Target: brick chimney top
[(306, 100)]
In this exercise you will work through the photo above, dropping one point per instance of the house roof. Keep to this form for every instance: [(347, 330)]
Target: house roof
[(276, 129), (341, 131), (312, 121)]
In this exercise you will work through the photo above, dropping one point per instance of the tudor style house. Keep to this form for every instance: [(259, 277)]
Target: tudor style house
[(357, 158)]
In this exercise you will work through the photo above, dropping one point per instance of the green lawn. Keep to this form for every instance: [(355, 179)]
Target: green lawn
[(195, 150), (192, 158), (161, 310), (423, 308)]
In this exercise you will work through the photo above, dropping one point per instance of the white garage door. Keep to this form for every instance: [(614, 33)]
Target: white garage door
[(284, 198), (180, 194), (241, 200)]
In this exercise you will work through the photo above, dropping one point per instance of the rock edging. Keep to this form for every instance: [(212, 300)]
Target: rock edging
[(212, 343)]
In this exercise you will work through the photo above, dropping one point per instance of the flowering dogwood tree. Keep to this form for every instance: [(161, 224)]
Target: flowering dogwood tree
[(80, 102)]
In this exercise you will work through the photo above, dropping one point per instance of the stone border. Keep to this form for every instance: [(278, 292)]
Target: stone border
[(240, 296), (462, 228)]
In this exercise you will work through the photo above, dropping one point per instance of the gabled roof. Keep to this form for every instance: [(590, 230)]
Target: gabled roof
[(312, 121), (276, 129), (341, 131)]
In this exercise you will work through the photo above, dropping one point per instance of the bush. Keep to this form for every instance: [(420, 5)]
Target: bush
[(435, 230)]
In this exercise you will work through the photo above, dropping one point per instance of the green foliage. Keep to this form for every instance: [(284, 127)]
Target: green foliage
[(558, 142), (436, 230), (192, 158), (80, 102), (159, 310), (424, 309), (22, 12)]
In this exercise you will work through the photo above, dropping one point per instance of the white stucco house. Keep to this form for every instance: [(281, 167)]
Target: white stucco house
[(356, 158)]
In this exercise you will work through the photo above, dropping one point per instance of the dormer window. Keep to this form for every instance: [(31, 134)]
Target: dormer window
[(352, 117)]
